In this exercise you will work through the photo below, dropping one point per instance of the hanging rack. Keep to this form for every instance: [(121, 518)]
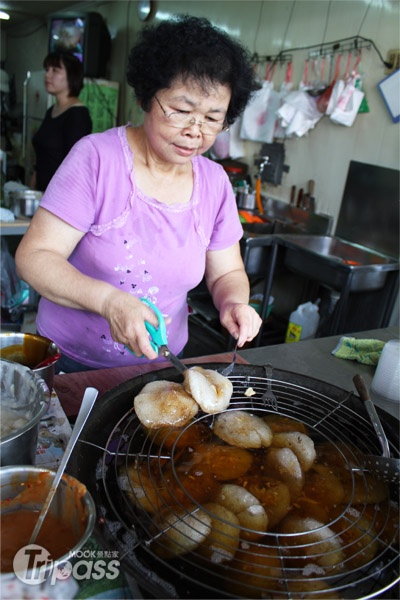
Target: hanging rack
[(355, 42), (337, 47), (270, 58)]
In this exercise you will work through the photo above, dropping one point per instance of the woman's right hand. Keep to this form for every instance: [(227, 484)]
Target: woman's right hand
[(42, 261), (126, 316)]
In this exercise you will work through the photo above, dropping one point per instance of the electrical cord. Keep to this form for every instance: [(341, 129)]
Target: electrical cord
[(335, 46)]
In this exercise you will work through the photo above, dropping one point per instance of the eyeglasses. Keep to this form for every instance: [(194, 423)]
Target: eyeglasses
[(182, 120)]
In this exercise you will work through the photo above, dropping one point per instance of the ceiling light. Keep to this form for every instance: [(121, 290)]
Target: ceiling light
[(4, 15)]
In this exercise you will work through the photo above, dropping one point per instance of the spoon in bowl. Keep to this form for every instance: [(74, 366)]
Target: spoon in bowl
[(49, 360), (88, 401)]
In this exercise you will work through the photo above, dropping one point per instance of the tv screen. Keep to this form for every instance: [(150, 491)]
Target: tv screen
[(68, 34), (85, 35)]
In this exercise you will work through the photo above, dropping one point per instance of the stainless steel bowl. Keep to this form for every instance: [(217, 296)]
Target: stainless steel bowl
[(29, 350), (24, 399), (25, 488)]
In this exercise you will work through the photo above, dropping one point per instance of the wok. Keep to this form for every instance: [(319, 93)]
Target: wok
[(112, 435)]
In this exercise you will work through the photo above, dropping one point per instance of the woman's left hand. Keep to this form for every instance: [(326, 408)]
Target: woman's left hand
[(242, 322), (229, 286)]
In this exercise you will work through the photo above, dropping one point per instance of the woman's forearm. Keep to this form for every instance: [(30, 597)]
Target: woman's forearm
[(231, 288), (54, 278)]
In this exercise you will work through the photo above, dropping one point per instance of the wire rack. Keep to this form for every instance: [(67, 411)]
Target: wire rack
[(353, 553)]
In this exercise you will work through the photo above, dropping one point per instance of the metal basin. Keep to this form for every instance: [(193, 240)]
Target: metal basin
[(282, 218), (336, 262), (259, 228)]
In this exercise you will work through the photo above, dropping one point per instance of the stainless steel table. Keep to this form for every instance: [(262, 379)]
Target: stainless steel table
[(314, 358), (17, 227)]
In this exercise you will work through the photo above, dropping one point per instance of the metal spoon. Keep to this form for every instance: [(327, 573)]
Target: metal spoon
[(88, 401), (385, 466)]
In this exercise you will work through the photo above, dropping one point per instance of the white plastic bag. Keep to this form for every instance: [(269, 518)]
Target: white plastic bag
[(325, 101), (336, 93), (255, 124), (349, 100), (299, 113), (236, 145), (348, 103), (305, 83), (220, 147), (286, 88)]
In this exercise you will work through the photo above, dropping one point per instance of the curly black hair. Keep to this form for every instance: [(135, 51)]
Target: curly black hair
[(192, 48)]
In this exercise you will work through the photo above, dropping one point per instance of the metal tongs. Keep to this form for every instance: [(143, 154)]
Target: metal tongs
[(158, 338)]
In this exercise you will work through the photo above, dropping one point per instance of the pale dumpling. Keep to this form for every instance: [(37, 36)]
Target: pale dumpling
[(240, 428), (164, 403), (211, 390)]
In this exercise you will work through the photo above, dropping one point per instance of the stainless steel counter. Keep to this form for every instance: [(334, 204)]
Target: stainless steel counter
[(314, 358), (17, 227)]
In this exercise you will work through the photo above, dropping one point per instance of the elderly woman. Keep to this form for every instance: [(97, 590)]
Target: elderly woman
[(137, 211)]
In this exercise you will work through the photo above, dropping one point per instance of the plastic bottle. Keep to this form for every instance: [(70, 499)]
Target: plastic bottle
[(303, 322)]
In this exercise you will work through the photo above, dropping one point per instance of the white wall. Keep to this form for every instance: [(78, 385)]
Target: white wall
[(267, 27)]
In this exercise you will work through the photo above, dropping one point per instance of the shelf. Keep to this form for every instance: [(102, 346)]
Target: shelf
[(17, 227)]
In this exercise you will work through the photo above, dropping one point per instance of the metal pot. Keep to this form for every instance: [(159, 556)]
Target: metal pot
[(25, 203), (114, 437), (246, 199), (25, 396), (30, 350)]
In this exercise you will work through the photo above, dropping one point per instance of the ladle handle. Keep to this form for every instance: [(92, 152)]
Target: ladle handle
[(89, 398), (373, 415)]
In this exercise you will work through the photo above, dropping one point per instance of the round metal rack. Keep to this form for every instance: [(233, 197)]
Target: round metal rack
[(140, 476)]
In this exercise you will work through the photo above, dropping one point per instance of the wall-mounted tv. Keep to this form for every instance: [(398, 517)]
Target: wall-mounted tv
[(87, 36)]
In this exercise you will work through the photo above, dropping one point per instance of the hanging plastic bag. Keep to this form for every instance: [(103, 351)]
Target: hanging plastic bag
[(324, 98), (220, 147), (317, 83), (338, 88), (255, 115), (349, 101), (335, 95), (286, 88), (256, 119), (347, 106), (305, 84), (236, 145), (274, 102), (228, 143), (364, 106), (299, 113)]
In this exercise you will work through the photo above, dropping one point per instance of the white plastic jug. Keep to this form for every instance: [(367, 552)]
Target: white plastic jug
[(303, 322)]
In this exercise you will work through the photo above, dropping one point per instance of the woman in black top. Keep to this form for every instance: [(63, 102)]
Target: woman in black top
[(65, 122)]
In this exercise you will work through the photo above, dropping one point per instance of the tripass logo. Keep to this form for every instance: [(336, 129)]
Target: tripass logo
[(33, 565)]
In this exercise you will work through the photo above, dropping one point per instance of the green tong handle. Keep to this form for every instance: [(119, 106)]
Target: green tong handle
[(158, 335)]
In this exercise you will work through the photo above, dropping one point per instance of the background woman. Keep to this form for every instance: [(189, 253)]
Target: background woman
[(139, 212), (65, 122)]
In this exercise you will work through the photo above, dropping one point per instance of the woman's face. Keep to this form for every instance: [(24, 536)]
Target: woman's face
[(56, 79), (178, 141)]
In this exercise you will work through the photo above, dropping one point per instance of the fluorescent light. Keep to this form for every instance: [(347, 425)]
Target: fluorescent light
[(3, 15)]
